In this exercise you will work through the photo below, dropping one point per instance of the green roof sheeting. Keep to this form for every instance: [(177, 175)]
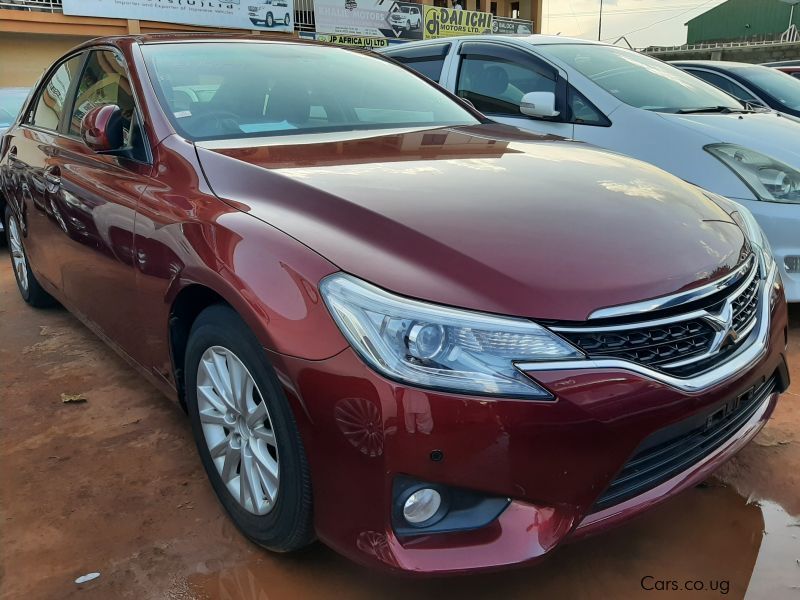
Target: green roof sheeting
[(736, 20)]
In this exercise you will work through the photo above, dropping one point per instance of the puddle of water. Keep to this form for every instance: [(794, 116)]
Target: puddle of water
[(710, 535), (777, 570)]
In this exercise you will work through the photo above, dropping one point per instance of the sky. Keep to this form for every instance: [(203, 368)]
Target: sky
[(643, 22)]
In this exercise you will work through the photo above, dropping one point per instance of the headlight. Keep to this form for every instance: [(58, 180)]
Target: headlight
[(768, 178), (440, 347), (745, 219)]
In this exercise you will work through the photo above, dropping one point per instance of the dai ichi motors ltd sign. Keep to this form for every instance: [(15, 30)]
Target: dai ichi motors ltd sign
[(445, 22)]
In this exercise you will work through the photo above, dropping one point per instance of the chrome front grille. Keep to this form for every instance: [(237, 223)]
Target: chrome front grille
[(690, 339), (745, 307), (649, 345)]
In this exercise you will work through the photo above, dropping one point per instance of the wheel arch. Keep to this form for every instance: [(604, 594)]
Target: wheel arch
[(187, 305)]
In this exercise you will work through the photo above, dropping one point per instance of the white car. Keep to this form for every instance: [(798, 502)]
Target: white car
[(636, 105), (269, 13), (407, 17)]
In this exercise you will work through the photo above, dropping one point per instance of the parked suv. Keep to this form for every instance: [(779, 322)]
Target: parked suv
[(269, 12), (634, 104), (407, 17), (433, 342)]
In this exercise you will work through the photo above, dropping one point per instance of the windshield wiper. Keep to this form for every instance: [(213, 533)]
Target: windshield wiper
[(710, 109)]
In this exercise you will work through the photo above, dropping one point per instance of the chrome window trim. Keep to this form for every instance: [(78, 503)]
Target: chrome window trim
[(745, 357), (674, 300)]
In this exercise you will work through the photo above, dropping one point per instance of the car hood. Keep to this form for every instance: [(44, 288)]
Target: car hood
[(770, 133), (483, 217)]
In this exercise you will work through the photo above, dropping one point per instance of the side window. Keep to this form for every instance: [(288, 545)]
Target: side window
[(496, 86), (105, 81), (52, 98), (425, 60), (725, 84), (583, 112)]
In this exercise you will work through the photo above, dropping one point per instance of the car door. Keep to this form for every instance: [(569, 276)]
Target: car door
[(494, 76), (96, 195), (30, 149)]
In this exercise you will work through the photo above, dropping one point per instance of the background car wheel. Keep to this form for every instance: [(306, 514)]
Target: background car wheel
[(28, 286), (246, 434), (270, 20), (286, 20)]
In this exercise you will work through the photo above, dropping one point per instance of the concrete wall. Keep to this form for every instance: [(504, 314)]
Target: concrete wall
[(751, 54), (25, 56)]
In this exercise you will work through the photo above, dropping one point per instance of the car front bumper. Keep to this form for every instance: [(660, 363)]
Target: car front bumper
[(552, 460)]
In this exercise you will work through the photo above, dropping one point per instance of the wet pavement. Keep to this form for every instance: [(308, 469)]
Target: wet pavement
[(113, 485)]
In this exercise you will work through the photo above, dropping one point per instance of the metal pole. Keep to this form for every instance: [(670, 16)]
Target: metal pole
[(600, 25)]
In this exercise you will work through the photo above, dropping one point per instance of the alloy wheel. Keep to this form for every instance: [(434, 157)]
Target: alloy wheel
[(238, 430), (18, 254)]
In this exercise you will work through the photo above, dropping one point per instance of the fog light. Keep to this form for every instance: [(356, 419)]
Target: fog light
[(421, 505)]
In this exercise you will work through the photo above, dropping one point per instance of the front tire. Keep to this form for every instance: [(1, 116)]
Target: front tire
[(246, 434), (270, 20), (287, 20), (28, 286)]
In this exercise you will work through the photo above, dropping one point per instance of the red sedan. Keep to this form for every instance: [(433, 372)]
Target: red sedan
[(433, 342)]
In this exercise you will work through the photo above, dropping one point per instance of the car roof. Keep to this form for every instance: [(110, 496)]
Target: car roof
[(712, 64), (783, 63), (535, 39), (189, 37)]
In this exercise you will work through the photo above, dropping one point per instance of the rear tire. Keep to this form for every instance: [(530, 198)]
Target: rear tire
[(28, 286), (270, 21), (258, 469)]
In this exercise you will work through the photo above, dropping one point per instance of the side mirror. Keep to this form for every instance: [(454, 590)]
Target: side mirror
[(102, 128), (539, 104)]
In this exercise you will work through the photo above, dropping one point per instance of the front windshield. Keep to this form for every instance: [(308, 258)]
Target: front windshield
[(220, 90), (11, 101), (639, 80), (784, 88)]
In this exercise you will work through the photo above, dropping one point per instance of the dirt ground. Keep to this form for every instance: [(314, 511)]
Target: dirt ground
[(113, 485)]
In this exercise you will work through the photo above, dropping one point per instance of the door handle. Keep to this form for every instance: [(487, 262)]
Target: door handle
[(52, 179), (12, 156)]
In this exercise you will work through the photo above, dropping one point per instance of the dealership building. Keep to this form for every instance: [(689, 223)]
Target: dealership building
[(35, 32), (744, 21)]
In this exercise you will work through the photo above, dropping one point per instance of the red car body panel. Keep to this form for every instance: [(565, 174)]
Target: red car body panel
[(533, 247), (793, 71), (483, 217), (371, 429)]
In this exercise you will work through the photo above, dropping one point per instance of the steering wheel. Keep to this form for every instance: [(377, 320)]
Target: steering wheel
[(221, 120)]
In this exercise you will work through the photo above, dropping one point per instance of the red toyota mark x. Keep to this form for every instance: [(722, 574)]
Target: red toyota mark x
[(433, 342)]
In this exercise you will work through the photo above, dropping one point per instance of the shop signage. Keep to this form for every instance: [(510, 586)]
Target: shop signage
[(446, 22), (272, 15), (370, 18), (353, 41), (505, 25)]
